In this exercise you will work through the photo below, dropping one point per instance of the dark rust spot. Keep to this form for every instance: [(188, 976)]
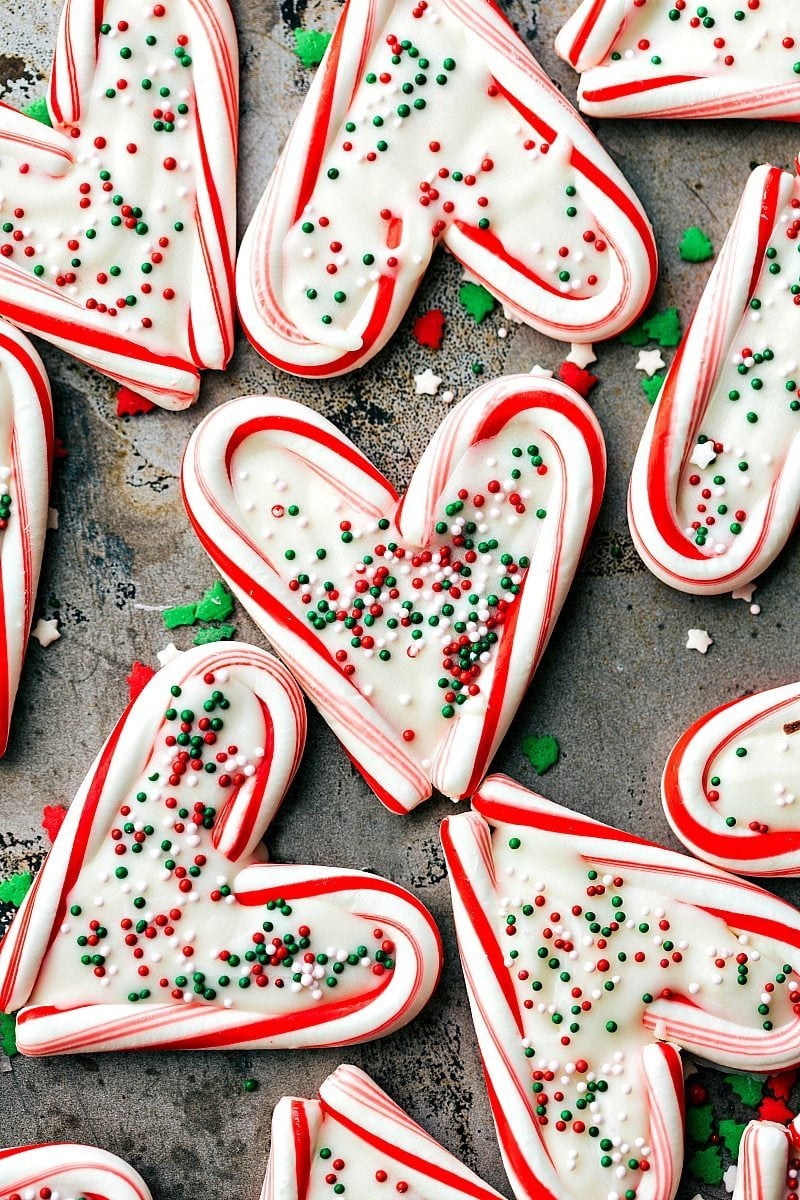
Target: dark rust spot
[(13, 68)]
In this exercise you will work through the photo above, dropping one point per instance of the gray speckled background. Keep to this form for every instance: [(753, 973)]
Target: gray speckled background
[(616, 686)]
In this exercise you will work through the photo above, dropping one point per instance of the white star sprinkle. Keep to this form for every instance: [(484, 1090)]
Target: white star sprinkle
[(426, 383), (698, 639), (46, 631), (582, 355), (167, 654), (745, 592), (703, 454), (541, 372), (650, 361)]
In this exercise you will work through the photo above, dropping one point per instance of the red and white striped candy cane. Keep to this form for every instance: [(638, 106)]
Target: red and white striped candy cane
[(658, 63), (152, 310), (591, 958), (714, 492), (26, 452), (373, 1139), (69, 1170), (255, 461), (368, 185), (730, 788), (199, 897), (767, 1167)]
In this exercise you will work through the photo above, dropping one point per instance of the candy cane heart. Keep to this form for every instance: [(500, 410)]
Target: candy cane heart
[(119, 221), (68, 1170), (668, 60), (731, 785), (413, 624), (591, 959), (428, 126), (156, 922), (769, 1161), (715, 488), (354, 1131), (26, 452)]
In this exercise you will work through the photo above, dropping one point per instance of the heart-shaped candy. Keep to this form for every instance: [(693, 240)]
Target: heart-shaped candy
[(68, 1171), (591, 959), (715, 489), (155, 921), (663, 59), (414, 623), (357, 1134), (26, 452), (731, 786), (425, 126), (118, 223)]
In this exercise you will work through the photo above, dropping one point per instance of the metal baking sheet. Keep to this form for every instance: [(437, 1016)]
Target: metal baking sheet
[(616, 687)]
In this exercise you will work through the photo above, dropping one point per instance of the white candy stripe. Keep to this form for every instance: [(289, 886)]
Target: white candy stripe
[(546, 410), (678, 415), (266, 305), (71, 1171), (26, 430)]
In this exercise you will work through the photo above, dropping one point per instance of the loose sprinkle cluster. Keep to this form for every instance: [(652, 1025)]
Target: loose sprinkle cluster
[(423, 625), (754, 412), (140, 920), (717, 37), (430, 141), (109, 234), (589, 952)]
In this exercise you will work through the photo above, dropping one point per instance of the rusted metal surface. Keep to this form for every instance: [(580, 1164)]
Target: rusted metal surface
[(616, 686)]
